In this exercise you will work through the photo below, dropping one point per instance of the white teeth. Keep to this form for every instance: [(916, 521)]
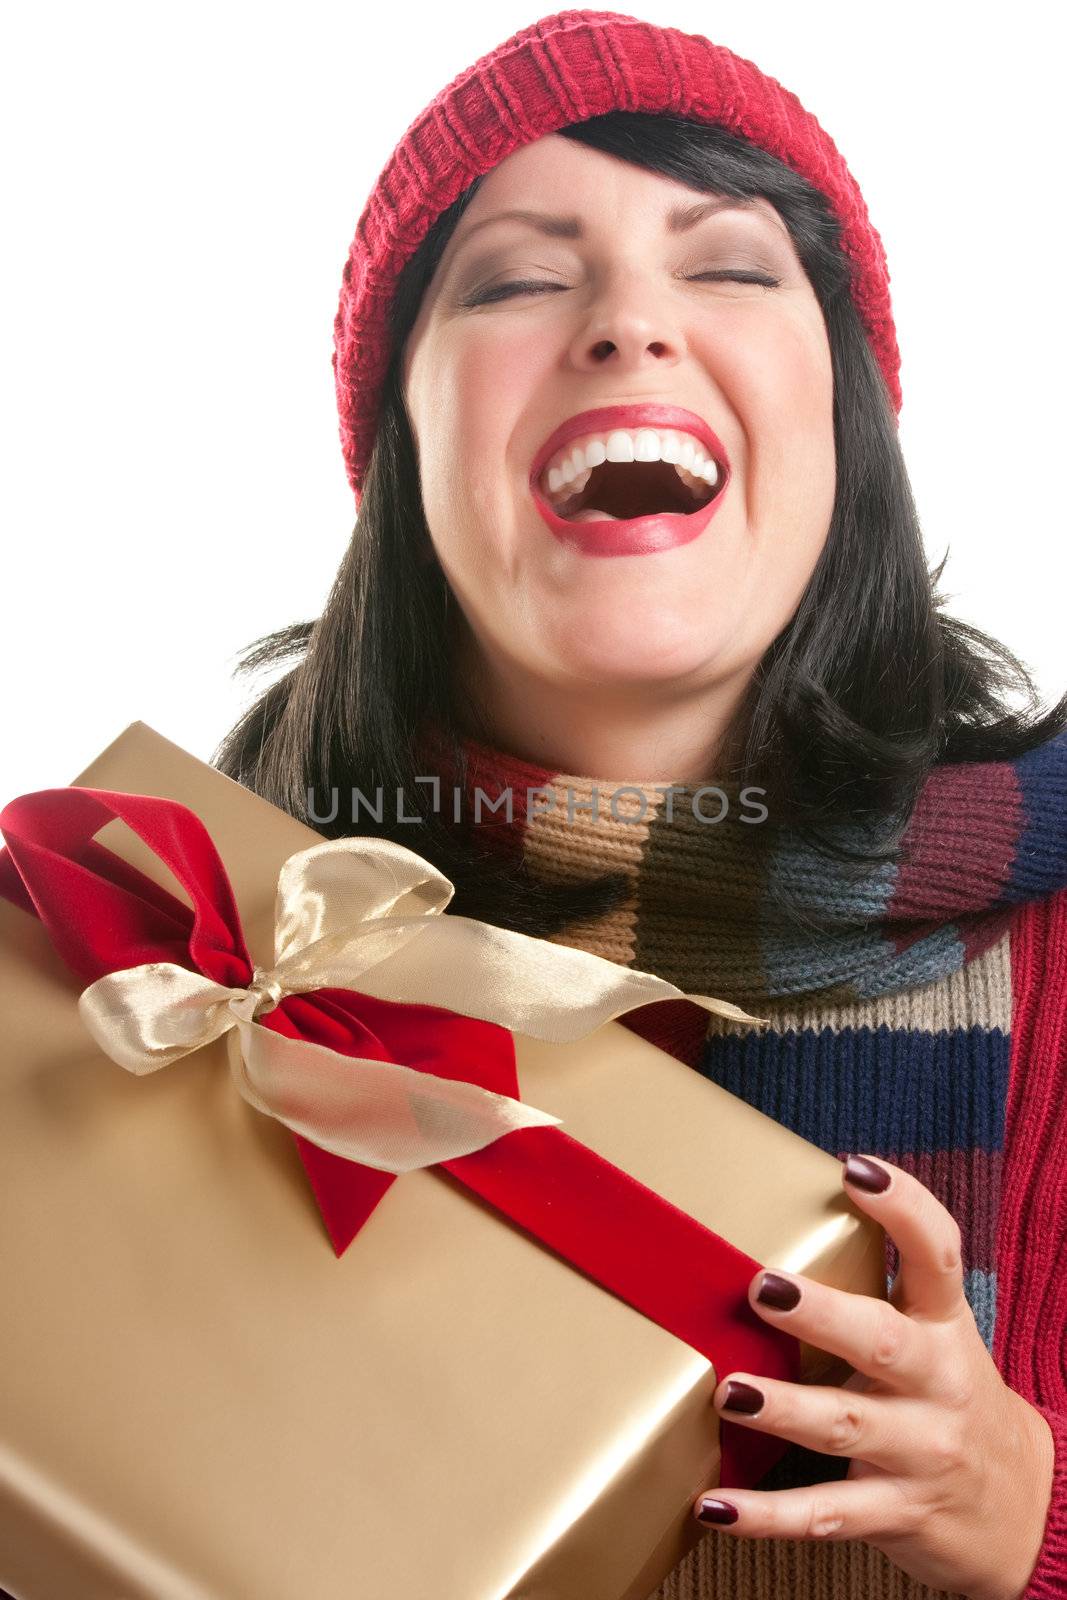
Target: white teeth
[(569, 471), (577, 466), (696, 486), (566, 474)]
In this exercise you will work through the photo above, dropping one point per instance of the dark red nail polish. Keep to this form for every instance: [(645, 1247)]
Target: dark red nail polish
[(716, 1511), (778, 1293), (867, 1175), (742, 1397)]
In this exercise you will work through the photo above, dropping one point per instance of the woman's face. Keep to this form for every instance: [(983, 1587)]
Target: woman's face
[(619, 308)]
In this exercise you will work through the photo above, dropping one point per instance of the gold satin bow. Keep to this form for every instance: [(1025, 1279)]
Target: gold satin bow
[(366, 914)]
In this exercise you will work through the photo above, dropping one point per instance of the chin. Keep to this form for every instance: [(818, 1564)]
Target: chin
[(630, 667)]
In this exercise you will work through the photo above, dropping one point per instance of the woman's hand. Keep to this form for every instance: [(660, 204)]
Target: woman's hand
[(951, 1471)]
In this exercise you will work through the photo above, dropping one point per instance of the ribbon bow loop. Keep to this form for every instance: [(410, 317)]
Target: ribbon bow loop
[(323, 890), (346, 906)]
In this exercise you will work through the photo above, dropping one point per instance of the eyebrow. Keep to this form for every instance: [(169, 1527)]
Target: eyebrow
[(678, 220)]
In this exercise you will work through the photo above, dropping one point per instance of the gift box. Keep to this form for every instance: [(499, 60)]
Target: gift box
[(236, 1364)]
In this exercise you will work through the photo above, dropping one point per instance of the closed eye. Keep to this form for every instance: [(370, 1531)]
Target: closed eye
[(504, 291), (739, 276), (507, 291)]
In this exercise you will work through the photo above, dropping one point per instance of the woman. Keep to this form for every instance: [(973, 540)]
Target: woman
[(617, 376)]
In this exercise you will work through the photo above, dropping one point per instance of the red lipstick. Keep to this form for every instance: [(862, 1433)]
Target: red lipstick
[(633, 535)]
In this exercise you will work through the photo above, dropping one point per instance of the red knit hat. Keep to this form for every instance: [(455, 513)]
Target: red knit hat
[(565, 69)]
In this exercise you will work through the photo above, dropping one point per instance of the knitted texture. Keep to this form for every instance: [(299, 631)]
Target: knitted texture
[(918, 1012), (561, 70)]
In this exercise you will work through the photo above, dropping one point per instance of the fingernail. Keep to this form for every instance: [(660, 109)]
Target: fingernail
[(743, 1397), (716, 1511), (867, 1175), (781, 1294)]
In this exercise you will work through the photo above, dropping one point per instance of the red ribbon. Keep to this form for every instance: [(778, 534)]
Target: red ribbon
[(103, 915)]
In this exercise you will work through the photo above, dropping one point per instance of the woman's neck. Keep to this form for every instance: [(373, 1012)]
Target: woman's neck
[(632, 736)]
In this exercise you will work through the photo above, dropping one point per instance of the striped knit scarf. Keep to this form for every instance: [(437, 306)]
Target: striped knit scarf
[(890, 994)]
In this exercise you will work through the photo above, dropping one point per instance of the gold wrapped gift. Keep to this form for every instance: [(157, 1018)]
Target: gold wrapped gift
[(199, 1400)]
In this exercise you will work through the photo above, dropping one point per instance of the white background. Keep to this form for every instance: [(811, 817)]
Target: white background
[(180, 187)]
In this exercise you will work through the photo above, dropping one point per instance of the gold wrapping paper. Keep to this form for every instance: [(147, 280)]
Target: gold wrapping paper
[(199, 1401)]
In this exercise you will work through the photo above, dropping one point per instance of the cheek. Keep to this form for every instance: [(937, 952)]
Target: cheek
[(812, 383), (789, 426), (481, 390), (797, 376)]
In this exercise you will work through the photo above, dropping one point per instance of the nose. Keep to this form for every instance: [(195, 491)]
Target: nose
[(627, 330)]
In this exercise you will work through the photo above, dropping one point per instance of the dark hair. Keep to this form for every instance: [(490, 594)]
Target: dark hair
[(863, 691)]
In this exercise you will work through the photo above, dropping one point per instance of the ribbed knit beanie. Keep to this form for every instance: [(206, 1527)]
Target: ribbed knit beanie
[(561, 70)]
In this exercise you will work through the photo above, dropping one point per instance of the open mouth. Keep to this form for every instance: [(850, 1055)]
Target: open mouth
[(623, 490)]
